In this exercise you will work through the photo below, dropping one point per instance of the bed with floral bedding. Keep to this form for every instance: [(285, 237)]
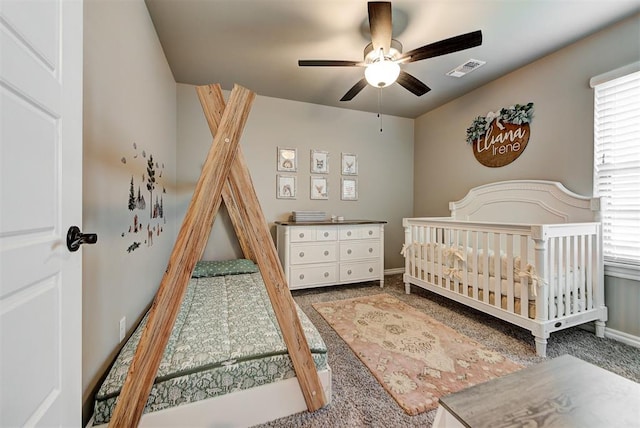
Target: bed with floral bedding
[(225, 348)]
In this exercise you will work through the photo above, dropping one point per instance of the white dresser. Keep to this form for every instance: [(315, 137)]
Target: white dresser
[(329, 253)]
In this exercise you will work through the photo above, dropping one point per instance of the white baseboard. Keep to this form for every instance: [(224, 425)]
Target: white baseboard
[(620, 336), (393, 271), (623, 337)]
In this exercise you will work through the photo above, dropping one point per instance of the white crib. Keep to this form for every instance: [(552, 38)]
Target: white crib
[(526, 251)]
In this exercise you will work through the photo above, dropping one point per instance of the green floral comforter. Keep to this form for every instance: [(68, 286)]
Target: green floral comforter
[(226, 338)]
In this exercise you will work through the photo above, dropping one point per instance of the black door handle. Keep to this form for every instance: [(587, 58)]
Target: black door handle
[(75, 238)]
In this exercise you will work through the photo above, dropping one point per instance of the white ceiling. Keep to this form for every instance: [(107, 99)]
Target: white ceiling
[(257, 43)]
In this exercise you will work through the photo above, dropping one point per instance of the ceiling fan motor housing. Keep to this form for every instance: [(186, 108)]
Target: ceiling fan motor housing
[(394, 52)]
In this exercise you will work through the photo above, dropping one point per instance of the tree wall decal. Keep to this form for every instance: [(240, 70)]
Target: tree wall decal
[(151, 182)]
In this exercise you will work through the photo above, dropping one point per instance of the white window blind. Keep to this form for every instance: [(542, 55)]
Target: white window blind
[(617, 166)]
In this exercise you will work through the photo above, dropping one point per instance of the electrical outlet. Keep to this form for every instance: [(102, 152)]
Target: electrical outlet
[(123, 327)]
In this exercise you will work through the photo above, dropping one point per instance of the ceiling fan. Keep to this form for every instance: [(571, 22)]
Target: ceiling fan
[(383, 56)]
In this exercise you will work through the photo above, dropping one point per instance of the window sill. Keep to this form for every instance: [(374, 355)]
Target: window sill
[(622, 270)]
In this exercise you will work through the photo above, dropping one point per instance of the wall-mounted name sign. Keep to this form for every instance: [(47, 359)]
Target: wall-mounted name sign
[(499, 138)]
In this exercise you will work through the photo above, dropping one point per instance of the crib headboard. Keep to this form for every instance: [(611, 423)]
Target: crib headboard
[(525, 201)]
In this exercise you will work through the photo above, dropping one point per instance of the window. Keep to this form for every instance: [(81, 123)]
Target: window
[(617, 165)]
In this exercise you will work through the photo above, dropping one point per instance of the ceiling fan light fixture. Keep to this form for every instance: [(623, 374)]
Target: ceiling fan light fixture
[(381, 74)]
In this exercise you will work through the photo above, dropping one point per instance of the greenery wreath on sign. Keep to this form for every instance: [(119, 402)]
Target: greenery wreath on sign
[(517, 115)]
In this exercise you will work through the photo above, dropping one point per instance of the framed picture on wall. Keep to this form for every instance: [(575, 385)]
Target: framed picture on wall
[(319, 162), (287, 159), (349, 164), (319, 188), (286, 187), (349, 189)]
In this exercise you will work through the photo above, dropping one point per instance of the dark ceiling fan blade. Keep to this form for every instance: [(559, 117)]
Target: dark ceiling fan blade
[(355, 90), (380, 25), (329, 63), (412, 84), (443, 47)]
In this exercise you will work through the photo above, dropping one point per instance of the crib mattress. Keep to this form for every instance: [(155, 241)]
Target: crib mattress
[(225, 338)]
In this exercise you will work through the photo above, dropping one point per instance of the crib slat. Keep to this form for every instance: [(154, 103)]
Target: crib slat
[(432, 254), (465, 258), (455, 274), (582, 279), (439, 256), (553, 273), (558, 284), (411, 248), (566, 276), (497, 270), (524, 281), (510, 283), (485, 266), (562, 277), (591, 257), (574, 271), (419, 250), (474, 264), (578, 268)]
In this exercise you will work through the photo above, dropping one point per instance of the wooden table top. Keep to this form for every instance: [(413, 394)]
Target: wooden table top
[(562, 392)]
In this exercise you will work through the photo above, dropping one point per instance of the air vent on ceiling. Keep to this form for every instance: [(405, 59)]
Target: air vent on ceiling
[(465, 68)]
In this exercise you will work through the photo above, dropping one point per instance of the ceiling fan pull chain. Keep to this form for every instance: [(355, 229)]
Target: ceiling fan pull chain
[(379, 107)]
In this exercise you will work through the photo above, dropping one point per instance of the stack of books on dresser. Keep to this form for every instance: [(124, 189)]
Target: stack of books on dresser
[(308, 216)]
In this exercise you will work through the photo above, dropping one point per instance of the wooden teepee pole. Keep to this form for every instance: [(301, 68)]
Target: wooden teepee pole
[(190, 243), (252, 228)]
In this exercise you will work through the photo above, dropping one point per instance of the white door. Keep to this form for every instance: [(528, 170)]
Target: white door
[(40, 197)]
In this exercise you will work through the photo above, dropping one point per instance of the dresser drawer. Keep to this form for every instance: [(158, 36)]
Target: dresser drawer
[(359, 232), (359, 250), (326, 234), (302, 234), (311, 234), (352, 272), (314, 253), (303, 276)]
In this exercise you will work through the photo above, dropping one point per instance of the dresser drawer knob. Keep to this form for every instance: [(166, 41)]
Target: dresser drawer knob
[(301, 254), (326, 253), (371, 232), (370, 270), (371, 250), (326, 234), (349, 233), (349, 272), (301, 235), (301, 276), (326, 274), (349, 251)]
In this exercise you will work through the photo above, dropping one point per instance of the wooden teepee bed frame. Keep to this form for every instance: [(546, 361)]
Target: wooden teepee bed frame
[(224, 176)]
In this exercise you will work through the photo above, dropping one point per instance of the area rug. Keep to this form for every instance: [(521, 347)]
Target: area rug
[(414, 357)]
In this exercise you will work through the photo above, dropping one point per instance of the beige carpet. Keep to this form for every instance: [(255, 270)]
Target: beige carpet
[(414, 357)]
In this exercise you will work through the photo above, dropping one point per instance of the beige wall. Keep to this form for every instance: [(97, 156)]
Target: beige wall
[(129, 97), (561, 143), (384, 162)]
